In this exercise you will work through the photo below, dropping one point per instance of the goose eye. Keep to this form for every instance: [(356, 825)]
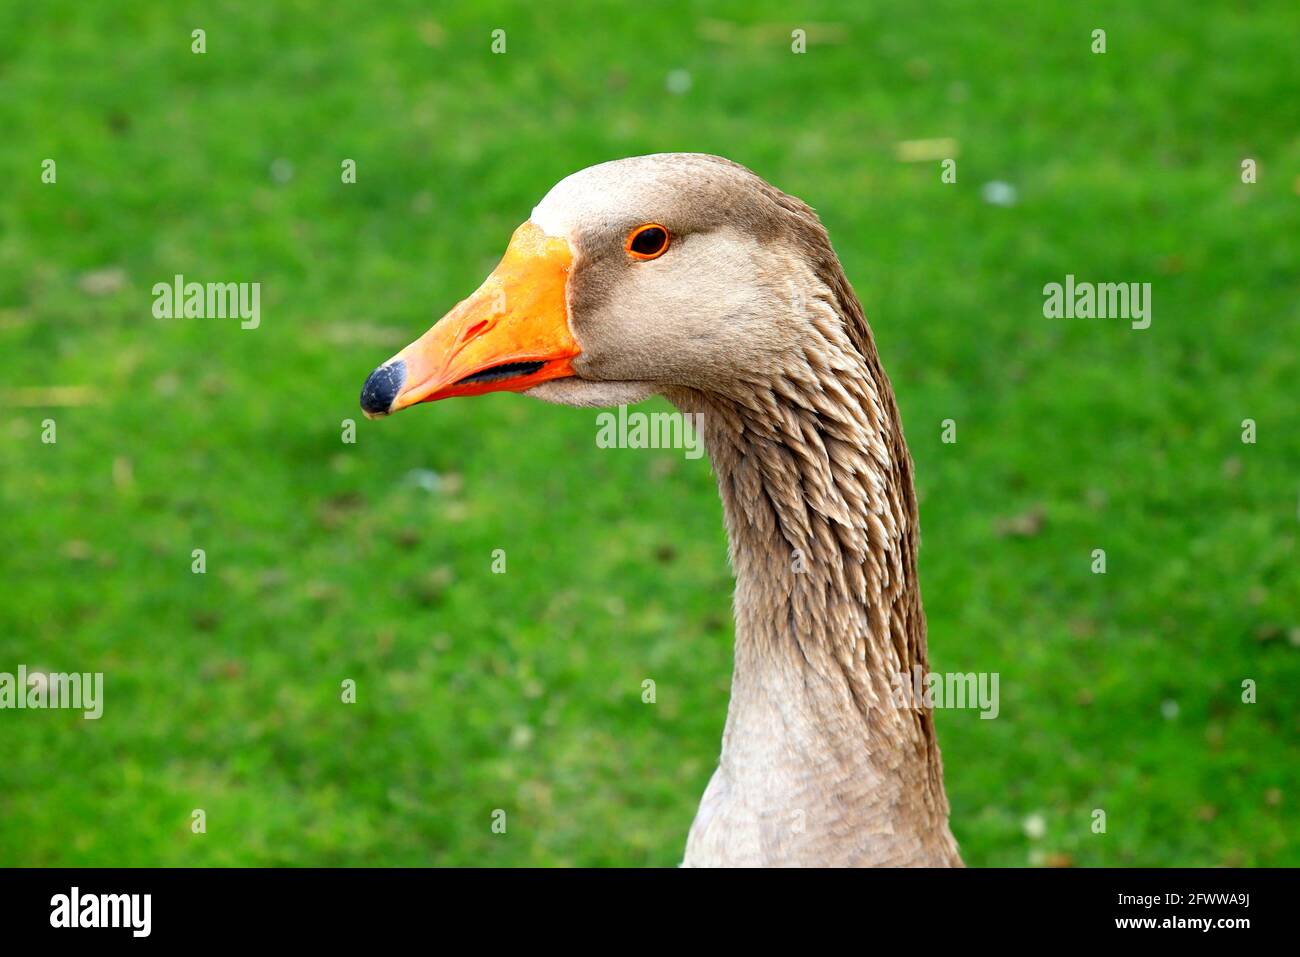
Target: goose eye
[(647, 242)]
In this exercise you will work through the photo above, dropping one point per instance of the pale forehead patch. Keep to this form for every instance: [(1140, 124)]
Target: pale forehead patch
[(607, 192), (561, 208)]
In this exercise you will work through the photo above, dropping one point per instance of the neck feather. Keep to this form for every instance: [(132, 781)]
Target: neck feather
[(818, 764)]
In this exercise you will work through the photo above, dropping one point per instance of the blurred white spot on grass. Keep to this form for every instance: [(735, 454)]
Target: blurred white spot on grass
[(678, 82), (1035, 827), (1169, 709), (281, 170), (521, 737), (102, 282), (426, 479), (998, 193)]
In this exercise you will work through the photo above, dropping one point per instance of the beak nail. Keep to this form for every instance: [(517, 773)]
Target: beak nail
[(381, 388)]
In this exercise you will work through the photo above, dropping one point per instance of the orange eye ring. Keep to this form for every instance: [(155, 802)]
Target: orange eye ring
[(648, 242)]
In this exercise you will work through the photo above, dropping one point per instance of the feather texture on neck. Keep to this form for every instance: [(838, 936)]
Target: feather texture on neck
[(818, 765)]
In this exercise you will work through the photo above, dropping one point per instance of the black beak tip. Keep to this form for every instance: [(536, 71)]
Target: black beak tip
[(381, 388)]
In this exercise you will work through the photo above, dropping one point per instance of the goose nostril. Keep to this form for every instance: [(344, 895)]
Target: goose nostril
[(474, 330)]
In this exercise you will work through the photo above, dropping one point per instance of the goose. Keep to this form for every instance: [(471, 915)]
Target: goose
[(687, 275)]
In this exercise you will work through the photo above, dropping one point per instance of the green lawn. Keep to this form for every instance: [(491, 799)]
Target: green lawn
[(522, 691)]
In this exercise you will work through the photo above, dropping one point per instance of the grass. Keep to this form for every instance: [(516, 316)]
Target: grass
[(522, 691)]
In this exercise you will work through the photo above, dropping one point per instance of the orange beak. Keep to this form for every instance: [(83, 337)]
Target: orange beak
[(510, 335)]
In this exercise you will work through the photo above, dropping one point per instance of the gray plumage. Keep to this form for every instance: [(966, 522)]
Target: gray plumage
[(749, 320)]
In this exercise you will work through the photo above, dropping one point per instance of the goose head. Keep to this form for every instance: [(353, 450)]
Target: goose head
[(686, 275), (630, 278)]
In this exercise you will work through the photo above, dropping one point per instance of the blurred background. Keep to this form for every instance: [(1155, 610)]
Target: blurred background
[(328, 561)]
